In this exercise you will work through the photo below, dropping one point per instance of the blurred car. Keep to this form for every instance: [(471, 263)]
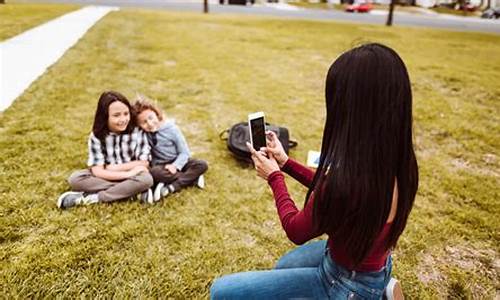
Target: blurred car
[(360, 7), (491, 13), (236, 2), (468, 7)]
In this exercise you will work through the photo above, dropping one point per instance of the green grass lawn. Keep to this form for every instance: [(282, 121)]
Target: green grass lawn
[(18, 16), (208, 72)]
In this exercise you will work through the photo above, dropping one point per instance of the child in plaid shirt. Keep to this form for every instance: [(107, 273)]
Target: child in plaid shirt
[(118, 158)]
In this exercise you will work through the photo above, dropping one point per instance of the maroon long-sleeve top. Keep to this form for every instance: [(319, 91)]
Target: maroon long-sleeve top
[(298, 224)]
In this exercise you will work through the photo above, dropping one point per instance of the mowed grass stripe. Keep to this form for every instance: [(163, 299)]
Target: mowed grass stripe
[(18, 17)]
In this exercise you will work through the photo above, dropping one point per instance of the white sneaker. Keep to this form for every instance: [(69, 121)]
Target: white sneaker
[(200, 182), (69, 199), (160, 191), (393, 290), (146, 196)]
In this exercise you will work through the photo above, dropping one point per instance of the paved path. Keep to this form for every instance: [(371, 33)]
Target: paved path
[(271, 9), (25, 57)]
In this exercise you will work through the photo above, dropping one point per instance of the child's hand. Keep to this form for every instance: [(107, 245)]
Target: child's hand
[(171, 168), (275, 148)]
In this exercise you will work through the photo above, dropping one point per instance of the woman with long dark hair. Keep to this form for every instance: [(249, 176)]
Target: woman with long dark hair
[(360, 195)]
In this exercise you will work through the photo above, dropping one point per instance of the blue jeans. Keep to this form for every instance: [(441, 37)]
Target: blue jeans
[(307, 272)]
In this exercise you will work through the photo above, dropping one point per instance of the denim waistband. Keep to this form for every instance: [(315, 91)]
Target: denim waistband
[(375, 280)]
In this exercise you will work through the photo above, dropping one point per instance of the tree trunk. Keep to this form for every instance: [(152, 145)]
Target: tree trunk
[(205, 6), (2, 1), (389, 16), (461, 4)]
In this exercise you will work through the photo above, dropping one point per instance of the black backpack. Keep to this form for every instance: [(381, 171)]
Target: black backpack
[(238, 135)]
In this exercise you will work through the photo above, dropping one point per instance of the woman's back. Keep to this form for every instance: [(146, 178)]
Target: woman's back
[(376, 257), (367, 153)]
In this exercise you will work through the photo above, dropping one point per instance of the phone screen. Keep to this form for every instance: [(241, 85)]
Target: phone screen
[(258, 133)]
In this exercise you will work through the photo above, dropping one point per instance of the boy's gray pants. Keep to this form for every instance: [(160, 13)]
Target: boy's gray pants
[(109, 191)]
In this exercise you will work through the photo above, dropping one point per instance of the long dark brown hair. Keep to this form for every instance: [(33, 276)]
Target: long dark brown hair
[(367, 147), (100, 127)]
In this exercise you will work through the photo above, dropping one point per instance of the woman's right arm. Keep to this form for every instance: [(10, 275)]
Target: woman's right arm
[(298, 171)]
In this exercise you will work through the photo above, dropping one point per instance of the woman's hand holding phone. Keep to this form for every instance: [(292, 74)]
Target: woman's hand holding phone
[(263, 165), (275, 148)]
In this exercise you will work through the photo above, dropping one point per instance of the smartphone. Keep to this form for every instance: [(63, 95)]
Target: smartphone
[(257, 127)]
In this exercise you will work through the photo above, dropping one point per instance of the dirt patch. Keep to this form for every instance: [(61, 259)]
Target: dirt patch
[(461, 164), (248, 240), (471, 259), (170, 63), (428, 270), (487, 169), (490, 158), (270, 227), (484, 263)]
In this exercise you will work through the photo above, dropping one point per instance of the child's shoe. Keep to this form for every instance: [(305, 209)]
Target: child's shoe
[(160, 191), (146, 196), (173, 189), (70, 199), (200, 182)]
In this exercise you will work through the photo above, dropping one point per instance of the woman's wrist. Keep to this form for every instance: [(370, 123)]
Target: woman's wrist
[(283, 161), (271, 177)]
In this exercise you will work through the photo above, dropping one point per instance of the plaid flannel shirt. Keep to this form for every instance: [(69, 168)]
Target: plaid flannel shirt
[(118, 148)]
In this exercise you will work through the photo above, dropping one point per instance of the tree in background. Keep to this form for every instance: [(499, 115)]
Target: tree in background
[(205, 6), (389, 16)]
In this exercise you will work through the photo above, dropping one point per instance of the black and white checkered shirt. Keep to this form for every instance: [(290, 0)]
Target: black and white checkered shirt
[(118, 148)]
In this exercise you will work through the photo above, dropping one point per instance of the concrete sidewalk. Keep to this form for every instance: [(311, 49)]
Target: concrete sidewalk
[(25, 57)]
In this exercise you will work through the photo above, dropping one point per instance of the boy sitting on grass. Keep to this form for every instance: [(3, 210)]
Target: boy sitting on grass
[(171, 165)]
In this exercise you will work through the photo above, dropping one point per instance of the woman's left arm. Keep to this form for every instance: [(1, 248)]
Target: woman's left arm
[(298, 224)]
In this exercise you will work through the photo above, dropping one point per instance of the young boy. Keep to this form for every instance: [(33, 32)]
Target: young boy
[(171, 165)]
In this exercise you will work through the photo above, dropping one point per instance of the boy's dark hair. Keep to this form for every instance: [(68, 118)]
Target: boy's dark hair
[(367, 148), (100, 127)]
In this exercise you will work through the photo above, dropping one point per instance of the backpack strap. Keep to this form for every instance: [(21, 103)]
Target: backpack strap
[(224, 135)]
